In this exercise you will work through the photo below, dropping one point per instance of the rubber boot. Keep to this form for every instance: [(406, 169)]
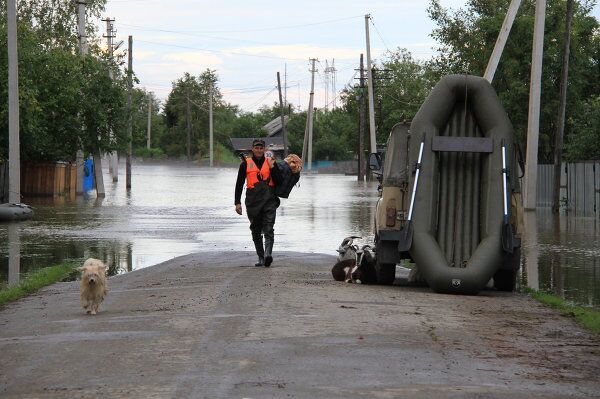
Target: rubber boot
[(258, 245), (268, 251)]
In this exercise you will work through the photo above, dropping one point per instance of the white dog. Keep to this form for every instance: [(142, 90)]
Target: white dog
[(93, 284)]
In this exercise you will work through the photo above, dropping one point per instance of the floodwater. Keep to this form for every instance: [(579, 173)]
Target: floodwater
[(176, 209)]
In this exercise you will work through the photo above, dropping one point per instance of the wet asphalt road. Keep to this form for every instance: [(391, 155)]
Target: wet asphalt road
[(208, 325)]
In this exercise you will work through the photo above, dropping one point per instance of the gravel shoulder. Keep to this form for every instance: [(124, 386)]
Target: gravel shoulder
[(210, 325)]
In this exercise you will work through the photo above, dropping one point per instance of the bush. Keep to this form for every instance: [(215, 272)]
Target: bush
[(152, 153)]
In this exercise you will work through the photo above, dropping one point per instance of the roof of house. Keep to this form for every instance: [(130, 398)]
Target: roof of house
[(245, 143), (274, 127)]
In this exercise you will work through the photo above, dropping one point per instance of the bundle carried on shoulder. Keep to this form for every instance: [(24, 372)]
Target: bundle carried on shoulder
[(290, 169)]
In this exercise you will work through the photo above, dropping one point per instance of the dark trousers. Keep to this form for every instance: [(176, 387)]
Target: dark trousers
[(261, 208)]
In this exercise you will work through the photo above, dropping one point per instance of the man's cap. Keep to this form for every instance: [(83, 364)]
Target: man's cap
[(258, 142)]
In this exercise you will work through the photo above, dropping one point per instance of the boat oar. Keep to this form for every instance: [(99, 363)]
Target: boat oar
[(507, 230), (406, 235)]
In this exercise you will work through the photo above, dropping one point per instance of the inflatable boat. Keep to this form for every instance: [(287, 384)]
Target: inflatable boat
[(10, 212), (450, 197), (463, 233)]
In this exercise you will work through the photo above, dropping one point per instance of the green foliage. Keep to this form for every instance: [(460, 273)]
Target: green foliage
[(152, 153), (36, 280), (584, 143), (67, 101), (467, 38), (588, 317)]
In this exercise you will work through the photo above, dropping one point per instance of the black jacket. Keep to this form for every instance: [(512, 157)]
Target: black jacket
[(241, 177)]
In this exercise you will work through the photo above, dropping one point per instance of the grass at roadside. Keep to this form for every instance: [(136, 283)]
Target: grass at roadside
[(588, 317), (36, 280)]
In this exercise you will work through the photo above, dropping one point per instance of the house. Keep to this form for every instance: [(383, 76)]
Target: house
[(273, 140)]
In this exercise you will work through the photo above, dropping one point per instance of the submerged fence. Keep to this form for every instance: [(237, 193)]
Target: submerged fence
[(579, 187)]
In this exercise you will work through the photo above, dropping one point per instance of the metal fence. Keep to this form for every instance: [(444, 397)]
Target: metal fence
[(580, 187)]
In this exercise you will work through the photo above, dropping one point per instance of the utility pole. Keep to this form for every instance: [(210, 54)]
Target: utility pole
[(83, 49), (210, 122), (285, 84), (333, 78), (188, 126), (560, 124), (310, 113), (130, 112), (326, 78), (533, 123), (113, 157), (285, 151), (372, 131), (14, 151), (501, 41), (361, 123), (96, 152), (149, 139)]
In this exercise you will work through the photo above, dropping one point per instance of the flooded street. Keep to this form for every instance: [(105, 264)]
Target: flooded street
[(175, 209)]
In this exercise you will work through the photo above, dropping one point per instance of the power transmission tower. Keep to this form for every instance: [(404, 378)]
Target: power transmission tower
[(330, 83), (113, 157), (130, 112)]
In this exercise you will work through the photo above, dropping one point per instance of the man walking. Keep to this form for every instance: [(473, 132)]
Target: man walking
[(260, 174)]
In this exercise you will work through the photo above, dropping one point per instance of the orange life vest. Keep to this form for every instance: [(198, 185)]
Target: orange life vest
[(252, 173)]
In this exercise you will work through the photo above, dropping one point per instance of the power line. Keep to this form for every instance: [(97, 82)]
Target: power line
[(279, 27), (379, 34), (219, 51)]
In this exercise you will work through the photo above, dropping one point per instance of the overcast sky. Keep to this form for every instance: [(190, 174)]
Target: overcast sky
[(247, 42)]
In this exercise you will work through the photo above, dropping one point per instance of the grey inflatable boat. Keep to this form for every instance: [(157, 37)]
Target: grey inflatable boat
[(460, 202), (10, 212)]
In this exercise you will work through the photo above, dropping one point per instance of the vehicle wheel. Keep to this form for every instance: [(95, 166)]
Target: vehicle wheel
[(505, 280), (386, 273)]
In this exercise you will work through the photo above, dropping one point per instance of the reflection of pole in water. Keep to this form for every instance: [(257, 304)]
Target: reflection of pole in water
[(14, 254), (530, 250), (129, 257)]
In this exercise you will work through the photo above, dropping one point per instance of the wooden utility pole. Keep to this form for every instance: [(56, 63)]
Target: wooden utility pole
[(361, 123), (310, 114), (149, 135), (113, 157), (210, 123), (188, 126), (560, 123), (98, 177), (533, 123), (130, 112), (501, 41), (285, 151), (14, 150), (83, 49), (372, 130)]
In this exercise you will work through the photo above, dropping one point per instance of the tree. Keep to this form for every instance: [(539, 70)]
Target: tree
[(467, 38), (67, 101), (189, 99)]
